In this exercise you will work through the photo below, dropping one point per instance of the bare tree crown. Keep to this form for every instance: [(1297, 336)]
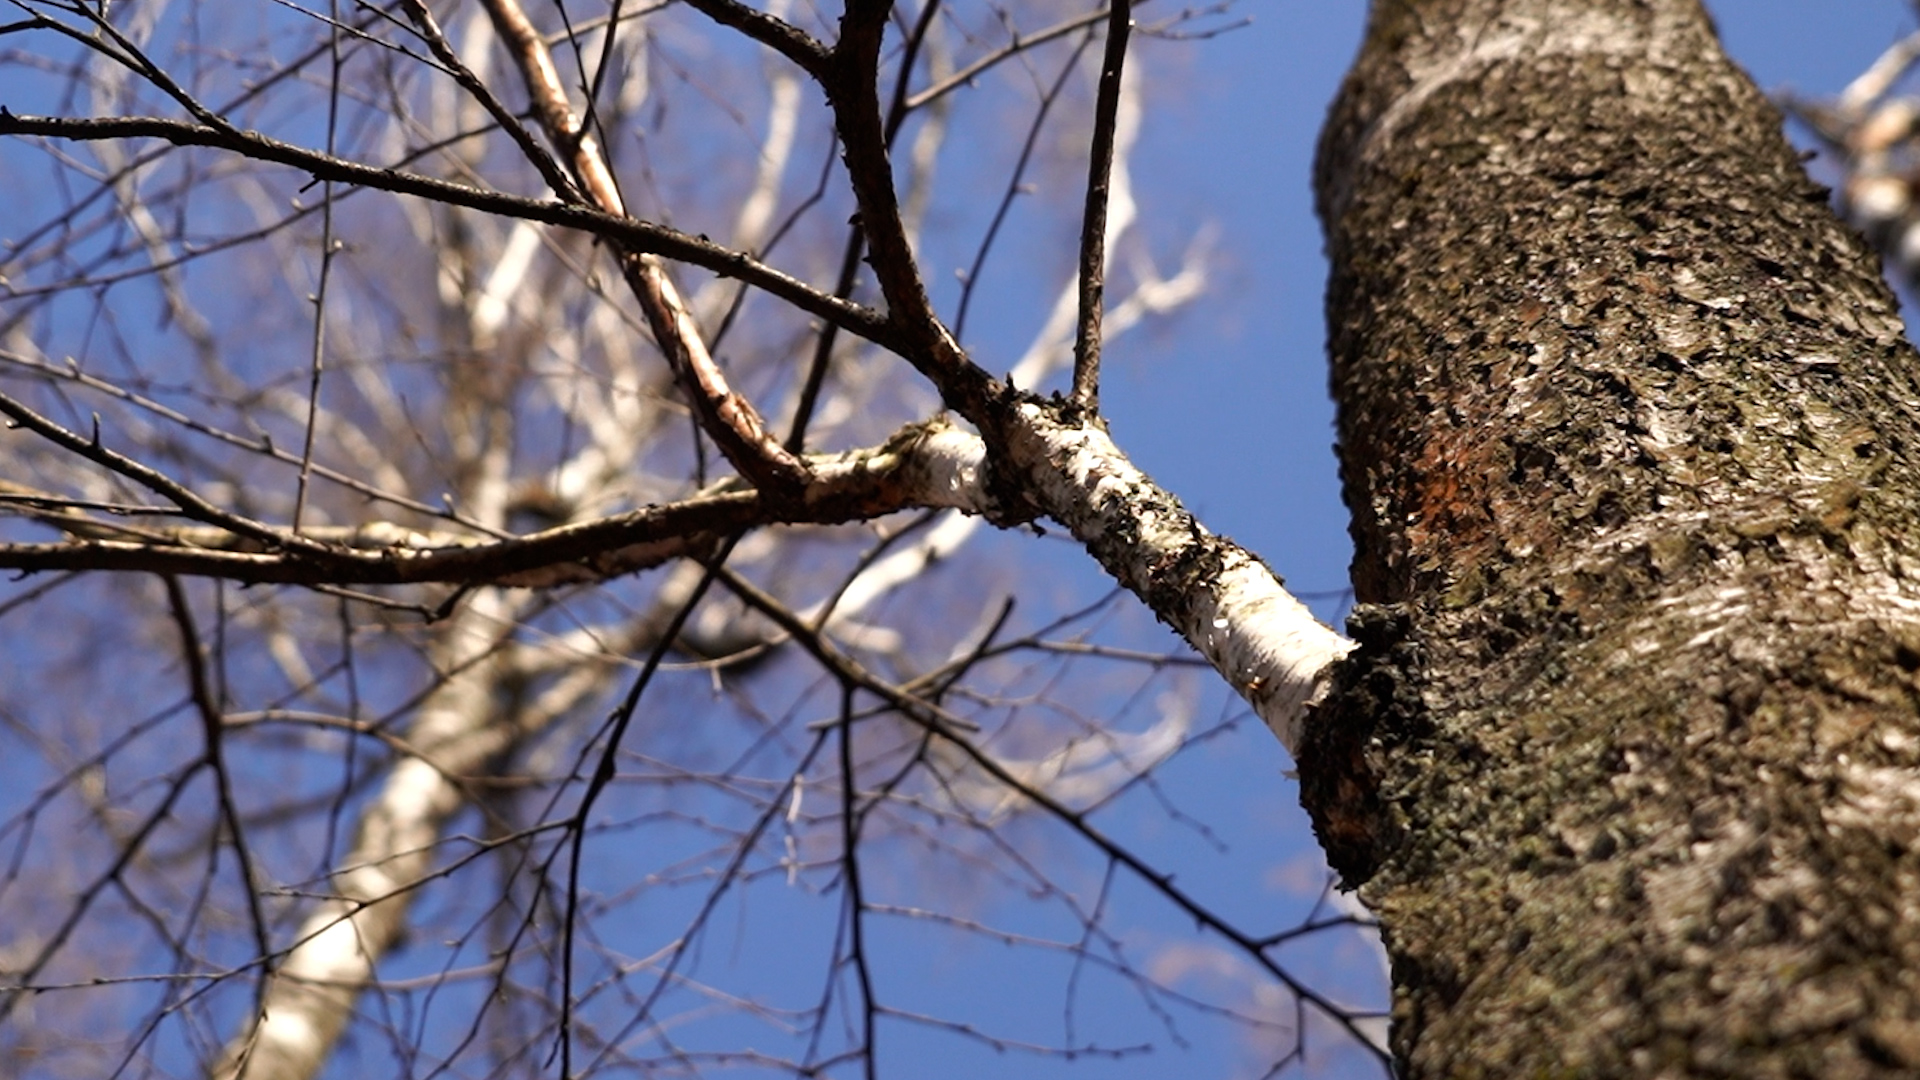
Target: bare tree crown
[(524, 436)]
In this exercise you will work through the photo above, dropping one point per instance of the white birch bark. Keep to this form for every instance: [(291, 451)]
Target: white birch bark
[(1234, 611)]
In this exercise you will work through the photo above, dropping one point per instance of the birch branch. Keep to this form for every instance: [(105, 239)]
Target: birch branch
[(1048, 353), (922, 466), (1214, 593)]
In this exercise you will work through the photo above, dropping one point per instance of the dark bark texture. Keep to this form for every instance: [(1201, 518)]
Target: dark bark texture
[(1629, 760)]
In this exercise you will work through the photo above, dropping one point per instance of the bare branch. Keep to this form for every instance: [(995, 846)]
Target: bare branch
[(549, 169), (212, 725), (1217, 595), (493, 448), (1020, 43), (191, 504), (728, 417), (73, 374), (948, 728), (318, 365), (1093, 228), (776, 34), (929, 465), (852, 817), (1015, 183), (853, 91), (926, 145), (631, 233), (334, 953)]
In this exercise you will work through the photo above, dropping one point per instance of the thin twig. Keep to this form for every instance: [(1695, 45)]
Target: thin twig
[(318, 363), (726, 878), (1020, 43), (850, 821), (1012, 190), (291, 69), (190, 503), (940, 722), (603, 774), (629, 232), (897, 109), (262, 445), (429, 30), (212, 725), (84, 898)]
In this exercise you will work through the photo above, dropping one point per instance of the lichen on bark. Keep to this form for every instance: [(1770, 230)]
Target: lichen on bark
[(1628, 430)]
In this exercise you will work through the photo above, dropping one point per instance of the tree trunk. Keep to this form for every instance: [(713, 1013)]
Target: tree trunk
[(1628, 761)]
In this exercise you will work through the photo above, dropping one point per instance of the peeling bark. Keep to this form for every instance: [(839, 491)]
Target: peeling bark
[(1628, 760)]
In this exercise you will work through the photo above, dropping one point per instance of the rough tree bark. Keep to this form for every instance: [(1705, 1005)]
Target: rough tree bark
[(1628, 760)]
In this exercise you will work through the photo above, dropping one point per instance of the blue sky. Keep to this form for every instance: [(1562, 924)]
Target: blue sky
[(1227, 406)]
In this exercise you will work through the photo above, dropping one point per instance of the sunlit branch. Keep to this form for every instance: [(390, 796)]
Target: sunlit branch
[(924, 465), (1873, 84), (728, 417), (1870, 130), (1048, 352), (1214, 593)]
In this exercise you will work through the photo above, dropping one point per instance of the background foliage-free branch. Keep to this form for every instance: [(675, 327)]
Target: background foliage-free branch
[(398, 580)]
